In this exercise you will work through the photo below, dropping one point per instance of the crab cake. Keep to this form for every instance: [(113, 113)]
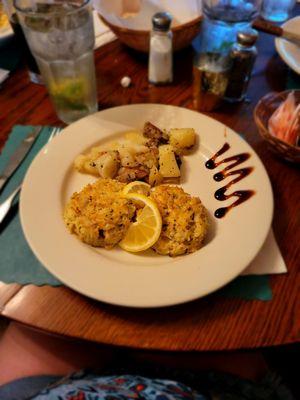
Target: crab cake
[(98, 215), (184, 221)]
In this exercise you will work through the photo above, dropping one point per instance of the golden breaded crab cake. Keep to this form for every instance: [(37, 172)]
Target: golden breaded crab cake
[(98, 215), (184, 221)]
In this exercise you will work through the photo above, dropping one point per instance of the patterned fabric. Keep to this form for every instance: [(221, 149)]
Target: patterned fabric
[(118, 387)]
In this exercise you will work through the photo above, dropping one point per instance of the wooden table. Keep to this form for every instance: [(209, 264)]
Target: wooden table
[(211, 323)]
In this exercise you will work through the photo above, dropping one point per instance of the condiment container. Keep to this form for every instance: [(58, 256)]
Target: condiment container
[(242, 58), (160, 68), (210, 72)]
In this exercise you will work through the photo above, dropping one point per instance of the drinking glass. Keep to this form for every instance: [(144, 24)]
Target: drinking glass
[(223, 19), (231, 10), (61, 38), (277, 10), (21, 44)]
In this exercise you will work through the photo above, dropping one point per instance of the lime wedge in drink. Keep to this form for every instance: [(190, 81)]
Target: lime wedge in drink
[(70, 93)]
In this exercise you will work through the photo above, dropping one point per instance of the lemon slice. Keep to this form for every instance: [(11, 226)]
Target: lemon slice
[(137, 187), (145, 231)]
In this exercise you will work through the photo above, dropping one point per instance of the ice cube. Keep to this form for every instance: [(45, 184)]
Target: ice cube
[(38, 23)]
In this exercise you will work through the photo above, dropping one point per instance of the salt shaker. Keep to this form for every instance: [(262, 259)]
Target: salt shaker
[(160, 69), (242, 55)]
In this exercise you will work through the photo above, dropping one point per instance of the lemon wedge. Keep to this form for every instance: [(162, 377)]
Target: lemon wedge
[(145, 231), (137, 187)]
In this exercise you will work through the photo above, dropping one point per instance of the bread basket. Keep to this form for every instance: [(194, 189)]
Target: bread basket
[(262, 113), (139, 39), (135, 31)]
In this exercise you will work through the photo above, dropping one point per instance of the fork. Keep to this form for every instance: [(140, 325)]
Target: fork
[(6, 205)]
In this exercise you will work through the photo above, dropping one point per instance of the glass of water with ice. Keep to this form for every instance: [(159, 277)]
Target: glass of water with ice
[(61, 37)]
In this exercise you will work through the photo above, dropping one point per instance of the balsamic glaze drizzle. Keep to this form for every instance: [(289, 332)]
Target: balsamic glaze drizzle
[(220, 194)]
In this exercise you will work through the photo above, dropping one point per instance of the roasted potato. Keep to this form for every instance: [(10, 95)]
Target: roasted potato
[(183, 138), (135, 137), (167, 162), (155, 177), (107, 164)]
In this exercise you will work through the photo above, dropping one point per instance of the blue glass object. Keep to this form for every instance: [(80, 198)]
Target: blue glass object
[(231, 10), (277, 10), (218, 36), (223, 19)]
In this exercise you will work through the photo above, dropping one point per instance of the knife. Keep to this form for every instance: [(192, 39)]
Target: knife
[(275, 30), (19, 155)]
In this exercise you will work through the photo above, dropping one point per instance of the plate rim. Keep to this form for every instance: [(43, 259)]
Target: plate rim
[(279, 42)]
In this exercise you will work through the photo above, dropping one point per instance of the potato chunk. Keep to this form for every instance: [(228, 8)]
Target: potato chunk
[(107, 164), (79, 162), (135, 137), (167, 162), (182, 138), (156, 135), (155, 177)]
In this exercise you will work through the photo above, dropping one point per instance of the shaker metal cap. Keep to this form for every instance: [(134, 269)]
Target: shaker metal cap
[(247, 37), (162, 21)]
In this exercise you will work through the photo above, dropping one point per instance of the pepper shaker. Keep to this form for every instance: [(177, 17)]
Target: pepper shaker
[(160, 68), (243, 55)]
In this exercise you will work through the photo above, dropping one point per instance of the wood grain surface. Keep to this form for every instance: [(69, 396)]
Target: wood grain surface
[(211, 323)]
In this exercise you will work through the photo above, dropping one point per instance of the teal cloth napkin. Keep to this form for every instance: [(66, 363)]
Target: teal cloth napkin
[(18, 263)]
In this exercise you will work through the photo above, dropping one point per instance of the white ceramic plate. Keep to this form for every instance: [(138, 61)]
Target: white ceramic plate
[(289, 52), (147, 279)]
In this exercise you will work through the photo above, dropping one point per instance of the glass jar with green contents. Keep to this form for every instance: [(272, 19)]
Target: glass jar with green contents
[(211, 65), (210, 81)]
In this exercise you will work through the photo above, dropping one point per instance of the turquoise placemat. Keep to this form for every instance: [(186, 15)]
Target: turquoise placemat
[(249, 288), (18, 263)]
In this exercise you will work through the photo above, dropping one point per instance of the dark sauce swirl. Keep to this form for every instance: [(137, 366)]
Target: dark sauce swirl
[(211, 164), (220, 194)]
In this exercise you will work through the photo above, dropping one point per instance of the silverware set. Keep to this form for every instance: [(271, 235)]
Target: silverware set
[(14, 162)]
